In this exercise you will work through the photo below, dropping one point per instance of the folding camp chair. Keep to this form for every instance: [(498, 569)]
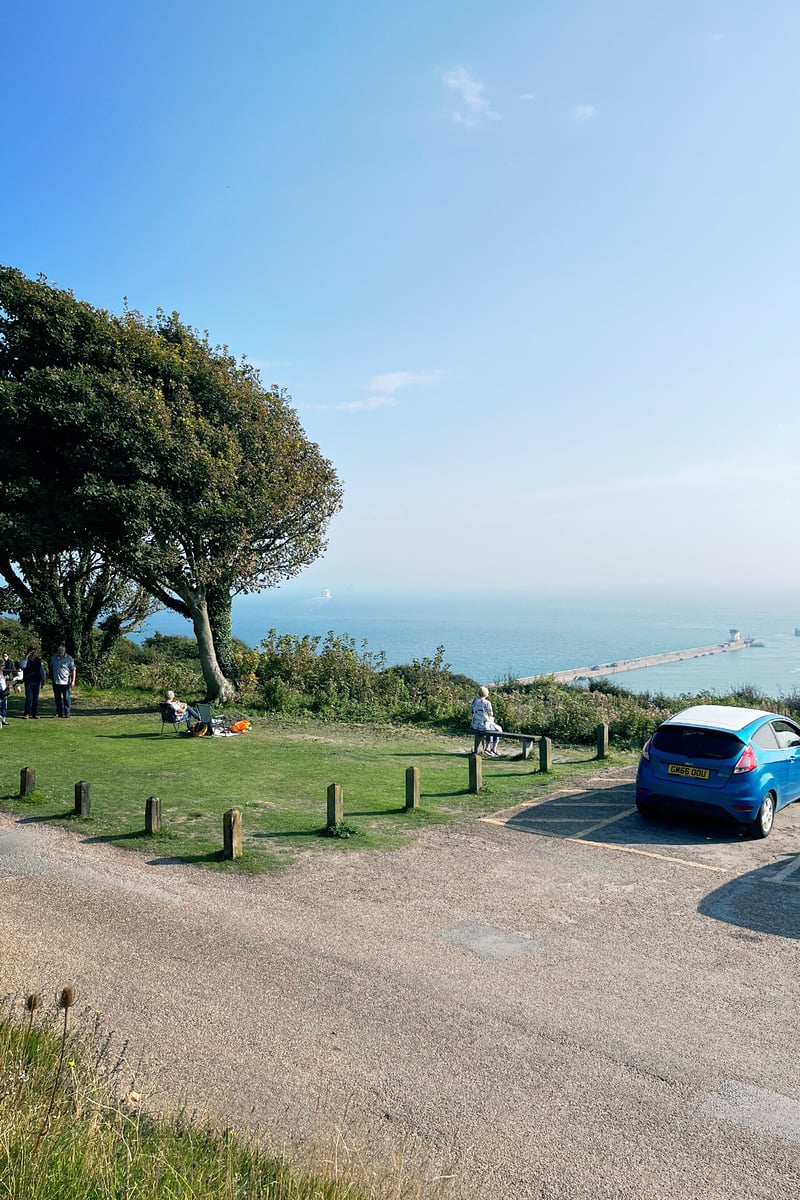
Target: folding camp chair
[(170, 717), (215, 724)]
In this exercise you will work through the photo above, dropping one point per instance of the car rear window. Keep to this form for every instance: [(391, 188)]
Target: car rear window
[(692, 742)]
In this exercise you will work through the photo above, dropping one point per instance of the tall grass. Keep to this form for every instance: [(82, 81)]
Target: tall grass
[(70, 1129)]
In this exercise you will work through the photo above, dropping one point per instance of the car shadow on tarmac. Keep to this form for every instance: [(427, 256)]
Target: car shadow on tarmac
[(608, 814), (766, 900)]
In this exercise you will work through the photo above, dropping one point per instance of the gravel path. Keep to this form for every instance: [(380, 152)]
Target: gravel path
[(532, 1016)]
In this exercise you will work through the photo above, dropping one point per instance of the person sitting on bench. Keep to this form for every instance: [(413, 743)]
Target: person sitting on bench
[(483, 720), (183, 712)]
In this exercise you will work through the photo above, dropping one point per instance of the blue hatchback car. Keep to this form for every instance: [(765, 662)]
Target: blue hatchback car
[(711, 758)]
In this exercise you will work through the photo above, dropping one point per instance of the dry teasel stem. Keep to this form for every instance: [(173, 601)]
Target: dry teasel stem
[(66, 1000), (32, 1002)]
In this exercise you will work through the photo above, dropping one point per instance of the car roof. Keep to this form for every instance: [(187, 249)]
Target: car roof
[(719, 716)]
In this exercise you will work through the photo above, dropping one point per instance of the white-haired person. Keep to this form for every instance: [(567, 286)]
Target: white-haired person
[(183, 712), (483, 720)]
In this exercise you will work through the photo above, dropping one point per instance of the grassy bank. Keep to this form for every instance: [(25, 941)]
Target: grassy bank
[(277, 775), (72, 1129)]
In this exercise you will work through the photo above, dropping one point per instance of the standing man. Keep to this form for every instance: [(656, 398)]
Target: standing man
[(62, 670)]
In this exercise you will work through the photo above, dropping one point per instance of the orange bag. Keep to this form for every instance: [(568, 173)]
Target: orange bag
[(240, 727)]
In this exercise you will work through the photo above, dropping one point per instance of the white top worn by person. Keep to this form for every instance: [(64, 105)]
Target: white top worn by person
[(483, 720)]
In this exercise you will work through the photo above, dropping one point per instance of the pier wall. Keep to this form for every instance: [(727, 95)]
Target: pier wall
[(599, 670)]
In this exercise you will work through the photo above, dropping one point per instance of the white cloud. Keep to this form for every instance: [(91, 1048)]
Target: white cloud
[(382, 389), (367, 405), (394, 381), (584, 112), (527, 95), (474, 107)]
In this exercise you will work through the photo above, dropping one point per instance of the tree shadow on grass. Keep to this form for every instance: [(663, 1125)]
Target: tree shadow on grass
[(375, 812), (149, 735), (285, 833), (444, 795), (431, 753), (128, 710)]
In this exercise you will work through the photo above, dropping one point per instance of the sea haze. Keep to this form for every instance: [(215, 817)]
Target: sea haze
[(491, 637)]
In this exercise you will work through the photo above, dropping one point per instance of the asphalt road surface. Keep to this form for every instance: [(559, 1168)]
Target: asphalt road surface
[(560, 1001)]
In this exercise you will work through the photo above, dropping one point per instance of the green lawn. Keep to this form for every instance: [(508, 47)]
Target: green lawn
[(277, 775)]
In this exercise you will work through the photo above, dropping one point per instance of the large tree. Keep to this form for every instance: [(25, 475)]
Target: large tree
[(75, 597), (140, 438)]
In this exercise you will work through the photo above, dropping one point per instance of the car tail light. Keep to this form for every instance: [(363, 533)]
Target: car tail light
[(646, 749), (747, 762)]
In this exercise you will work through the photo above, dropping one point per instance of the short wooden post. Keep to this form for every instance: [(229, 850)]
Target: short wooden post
[(232, 834), (545, 754), (335, 805), (83, 799), (602, 741), (152, 815), (27, 781), (475, 773), (412, 787)]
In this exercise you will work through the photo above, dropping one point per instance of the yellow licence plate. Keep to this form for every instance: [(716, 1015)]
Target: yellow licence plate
[(688, 772)]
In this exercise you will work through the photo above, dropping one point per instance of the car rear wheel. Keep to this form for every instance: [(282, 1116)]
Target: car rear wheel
[(647, 808), (762, 826)]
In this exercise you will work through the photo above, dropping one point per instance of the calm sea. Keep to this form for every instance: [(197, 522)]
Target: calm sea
[(491, 637)]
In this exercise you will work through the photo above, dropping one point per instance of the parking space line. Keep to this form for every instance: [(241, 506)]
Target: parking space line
[(686, 862), (788, 868), (580, 841), (600, 824), (781, 876)]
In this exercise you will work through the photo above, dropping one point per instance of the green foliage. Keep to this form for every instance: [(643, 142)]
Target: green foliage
[(340, 829), (169, 457), (15, 637), (571, 714), (75, 597), (334, 677), (172, 646)]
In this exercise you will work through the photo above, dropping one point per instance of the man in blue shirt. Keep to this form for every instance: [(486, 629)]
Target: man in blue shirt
[(62, 671)]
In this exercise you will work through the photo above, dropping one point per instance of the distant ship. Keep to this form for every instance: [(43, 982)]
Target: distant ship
[(797, 631)]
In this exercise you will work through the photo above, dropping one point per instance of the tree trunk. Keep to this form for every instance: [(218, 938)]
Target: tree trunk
[(218, 688), (218, 600)]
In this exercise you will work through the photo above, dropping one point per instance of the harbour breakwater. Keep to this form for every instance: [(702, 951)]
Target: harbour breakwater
[(599, 670)]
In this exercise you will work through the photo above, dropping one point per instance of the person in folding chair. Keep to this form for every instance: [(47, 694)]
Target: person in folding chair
[(183, 712)]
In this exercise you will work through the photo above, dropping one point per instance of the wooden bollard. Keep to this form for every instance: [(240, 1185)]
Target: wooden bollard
[(27, 781), (83, 799), (335, 805), (602, 741), (545, 754), (232, 834), (475, 773), (412, 788), (152, 815)]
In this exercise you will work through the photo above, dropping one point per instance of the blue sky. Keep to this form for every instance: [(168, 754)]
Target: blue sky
[(528, 270)]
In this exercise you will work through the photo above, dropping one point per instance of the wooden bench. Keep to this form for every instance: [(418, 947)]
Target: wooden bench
[(481, 736)]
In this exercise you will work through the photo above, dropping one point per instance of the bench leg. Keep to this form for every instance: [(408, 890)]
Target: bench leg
[(527, 746), (478, 742)]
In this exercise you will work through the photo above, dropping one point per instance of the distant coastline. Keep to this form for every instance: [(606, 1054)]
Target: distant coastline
[(634, 664)]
